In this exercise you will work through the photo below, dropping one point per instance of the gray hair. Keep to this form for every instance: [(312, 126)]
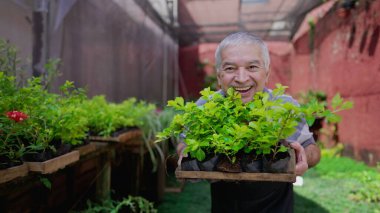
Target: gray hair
[(241, 38)]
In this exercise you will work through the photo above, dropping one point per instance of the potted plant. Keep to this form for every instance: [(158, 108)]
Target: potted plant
[(306, 98), (225, 126), (131, 122), (55, 121), (110, 119), (11, 150), (44, 125), (70, 125), (53, 125), (14, 126), (12, 122), (130, 204)]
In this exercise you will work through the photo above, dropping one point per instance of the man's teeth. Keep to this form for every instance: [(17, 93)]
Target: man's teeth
[(242, 88)]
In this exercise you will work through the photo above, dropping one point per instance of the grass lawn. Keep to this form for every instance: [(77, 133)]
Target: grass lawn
[(194, 198), (331, 183), (327, 188), (321, 195)]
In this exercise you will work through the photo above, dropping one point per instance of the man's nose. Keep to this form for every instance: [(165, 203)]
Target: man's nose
[(241, 75)]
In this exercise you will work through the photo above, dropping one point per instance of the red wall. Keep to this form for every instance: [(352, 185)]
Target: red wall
[(191, 76), (354, 71), (280, 63), (342, 60)]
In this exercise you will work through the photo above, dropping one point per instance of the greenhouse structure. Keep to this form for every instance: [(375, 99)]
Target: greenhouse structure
[(115, 106)]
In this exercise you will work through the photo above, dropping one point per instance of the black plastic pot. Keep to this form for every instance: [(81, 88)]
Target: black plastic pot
[(48, 153), (225, 165), (5, 162), (279, 164), (252, 164), (63, 149), (189, 164), (209, 164), (39, 157)]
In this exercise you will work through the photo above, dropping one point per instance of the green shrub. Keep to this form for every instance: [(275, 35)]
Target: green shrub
[(225, 125), (370, 189), (368, 179), (134, 204), (104, 118), (48, 117)]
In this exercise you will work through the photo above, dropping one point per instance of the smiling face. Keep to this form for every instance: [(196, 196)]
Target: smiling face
[(242, 68)]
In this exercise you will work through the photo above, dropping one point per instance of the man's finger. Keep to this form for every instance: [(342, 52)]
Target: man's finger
[(179, 160), (301, 161), (180, 147)]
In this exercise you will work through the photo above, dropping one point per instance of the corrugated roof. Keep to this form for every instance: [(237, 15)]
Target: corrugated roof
[(212, 20)]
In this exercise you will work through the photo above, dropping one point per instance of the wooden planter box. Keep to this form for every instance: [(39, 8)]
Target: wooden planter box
[(122, 138), (86, 149), (13, 172), (131, 141), (70, 188), (290, 176), (137, 146), (54, 164), (133, 175)]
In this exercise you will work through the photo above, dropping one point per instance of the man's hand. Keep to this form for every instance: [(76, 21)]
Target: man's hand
[(301, 160), (180, 147), (313, 154)]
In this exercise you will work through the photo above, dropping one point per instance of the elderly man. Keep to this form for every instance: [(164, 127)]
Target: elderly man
[(242, 62)]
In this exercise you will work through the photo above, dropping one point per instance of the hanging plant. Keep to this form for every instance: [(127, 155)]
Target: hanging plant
[(311, 34)]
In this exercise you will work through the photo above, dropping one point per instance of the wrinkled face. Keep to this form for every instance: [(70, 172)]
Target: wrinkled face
[(243, 69)]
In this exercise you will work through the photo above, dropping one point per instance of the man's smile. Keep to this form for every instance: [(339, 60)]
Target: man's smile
[(242, 89)]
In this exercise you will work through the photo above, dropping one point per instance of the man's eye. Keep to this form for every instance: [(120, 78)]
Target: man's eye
[(229, 69), (253, 68)]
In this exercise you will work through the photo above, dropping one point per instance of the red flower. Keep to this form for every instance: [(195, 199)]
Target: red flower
[(17, 116)]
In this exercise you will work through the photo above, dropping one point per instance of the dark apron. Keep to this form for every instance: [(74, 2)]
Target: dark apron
[(244, 197)]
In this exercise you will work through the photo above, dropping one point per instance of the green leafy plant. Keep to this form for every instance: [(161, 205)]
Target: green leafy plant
[(11, 151), (311, 95), (311, 34), (370, 187), (165, 117), (10, 63), (104, 118), (70, 124), (365, 185), (225, 125), (150, 125), (14, 99), (337, 104), (335, 151), (52, 72), (50, 117), (323, 127), (46, 182), (133, 204)]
